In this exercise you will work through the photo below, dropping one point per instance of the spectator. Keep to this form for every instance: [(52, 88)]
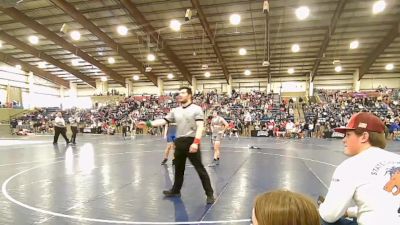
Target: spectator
[(394, 128), (284, 208), (368, 178)]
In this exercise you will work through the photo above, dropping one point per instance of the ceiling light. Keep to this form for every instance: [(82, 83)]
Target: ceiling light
[(148, 69), (136, 77), (75, 62), (338, 68), (111, 60), (378, 7), (18, 67), (290, 70), (33, 39), (101, 53), (175, 25), (104, 79), (151, 57), (302, 12), (247, 72), (265, 63), (1, 44), (234, 19), (295, 48), (207, 74), (75, 35), (354, 44), (42, 65), (242, 51), (170, 76), (389, 66), (122, 30)]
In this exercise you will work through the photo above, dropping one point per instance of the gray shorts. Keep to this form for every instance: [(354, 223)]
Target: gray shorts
[(216, 136)]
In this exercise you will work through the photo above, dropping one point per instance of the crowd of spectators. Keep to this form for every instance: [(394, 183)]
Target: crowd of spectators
[(336, 107), (39, 121), (246, 113), (113, 92), (12, 104)]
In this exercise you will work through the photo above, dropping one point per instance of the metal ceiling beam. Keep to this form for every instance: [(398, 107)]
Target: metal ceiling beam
[(39, 54), (268, 46), (328, 36), (154, 36), (50, 35), (210, 35), (386, 41), (38, 72), (89, 25)]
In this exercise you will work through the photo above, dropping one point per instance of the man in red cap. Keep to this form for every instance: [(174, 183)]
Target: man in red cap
[(370, 178)]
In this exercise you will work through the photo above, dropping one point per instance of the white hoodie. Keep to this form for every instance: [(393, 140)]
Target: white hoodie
[(371, 181)]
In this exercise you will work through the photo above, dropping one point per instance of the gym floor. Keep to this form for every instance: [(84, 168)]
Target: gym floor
[(108, 180)]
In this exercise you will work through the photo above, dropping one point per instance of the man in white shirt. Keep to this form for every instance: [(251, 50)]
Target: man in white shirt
[(189, 119), (247, 123), (370, 178), (289, 128), (60, 128)]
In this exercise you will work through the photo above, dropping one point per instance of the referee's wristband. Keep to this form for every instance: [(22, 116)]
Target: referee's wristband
[(197, 141), (148, 124)]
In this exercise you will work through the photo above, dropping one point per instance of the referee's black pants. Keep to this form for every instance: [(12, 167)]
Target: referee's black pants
[(182, 146), (74, 130), (58, 131)]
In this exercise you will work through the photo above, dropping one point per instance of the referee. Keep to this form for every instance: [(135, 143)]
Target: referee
[(59, 128), (189, 119)]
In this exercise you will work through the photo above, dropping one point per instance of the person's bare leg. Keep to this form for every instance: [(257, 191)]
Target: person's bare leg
[(217, 151), (166, 153)]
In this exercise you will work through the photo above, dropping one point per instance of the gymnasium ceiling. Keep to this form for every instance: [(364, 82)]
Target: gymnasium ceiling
[(207, 38)]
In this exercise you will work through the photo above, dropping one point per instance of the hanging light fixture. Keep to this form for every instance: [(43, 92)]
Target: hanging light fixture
[(111, 60), (337, 65), (338, 68), (234, 19), (389, 66), (33, 39), (302, 12), (151, 57), (122, 30), (75, 35), (354, 44), (242, 51), (75, 62), (42, 65), (378, 7), (175, 25), (295, 48)]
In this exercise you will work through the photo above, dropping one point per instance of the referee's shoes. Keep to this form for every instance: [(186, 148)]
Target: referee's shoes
[(169, 193)]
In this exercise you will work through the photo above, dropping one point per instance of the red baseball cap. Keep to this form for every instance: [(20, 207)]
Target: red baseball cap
[(363, 120)]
